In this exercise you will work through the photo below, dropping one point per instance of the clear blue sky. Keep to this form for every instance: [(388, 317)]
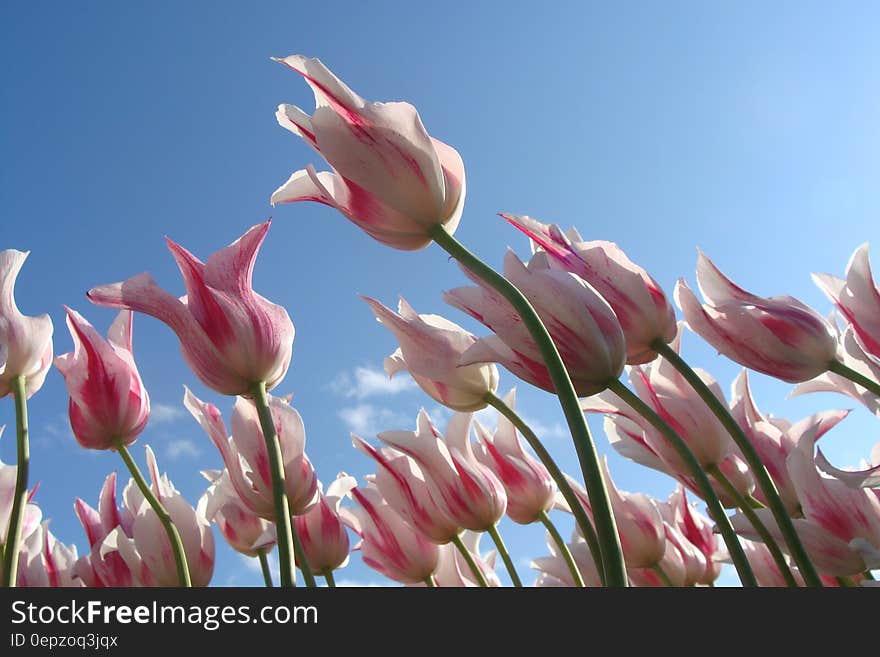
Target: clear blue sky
[(747, 129)]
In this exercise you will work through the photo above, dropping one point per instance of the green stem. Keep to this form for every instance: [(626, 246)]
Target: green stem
[(301, 559), (283, 524), (161, 512), (846, 582), (765, 482), (868, 575), (856, 377), (606, 529), (430, 583), (469, 558), (328, 575), (749, 512), (19, 500), (264, 566), (563, 549), (755, 504), (710, 497), (574, 504), (657, 568), (505, 556)]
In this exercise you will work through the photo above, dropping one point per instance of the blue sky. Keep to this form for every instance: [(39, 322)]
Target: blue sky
[(746, 129)]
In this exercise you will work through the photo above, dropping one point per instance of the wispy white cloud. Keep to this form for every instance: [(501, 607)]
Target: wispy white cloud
[(366, 382), (545, 431), (175, 449), (163, 413), (369, 419)]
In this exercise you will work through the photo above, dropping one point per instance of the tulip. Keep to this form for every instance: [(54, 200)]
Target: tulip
[(147, 550), (775, 440), (45, 561), (402, 484), (579, 320), (25, 342), (554, 570), (857, 298), (698, 530), (836, 519), (644, 313), (530, 488), (779, 336), (454, 571), (853, 357), (671, 570), (108, 401), (642, 534), (430, 349), (389, 176), (231, 337), (241, 528), (390, 545), (466, 489), (245, 457), (324, 539), (98, 568)]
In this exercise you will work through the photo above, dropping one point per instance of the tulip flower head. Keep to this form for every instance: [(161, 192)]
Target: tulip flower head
[(231, 337), (582, 324), (241, 527), (644, 312), (858, 299), (389, 176), (25, 342), (430, 349), (778, 336), (108, 401), (321, 530)]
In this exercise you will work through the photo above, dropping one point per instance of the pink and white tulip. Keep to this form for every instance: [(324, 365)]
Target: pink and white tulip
[(389, 176), (468, 491), (644, 312), (231, 337), (530, 489), (430, 349), (699, 531), (454, 571), (99, 568), (25, 342), (582, 324), (146, 548), (403, 485), (243, 530), (44, 561), (778, 336), (321, 530), (108, 401), (389, 545), (246, 459), (774, 439), (839, 522), (857, 298), (639, 523)]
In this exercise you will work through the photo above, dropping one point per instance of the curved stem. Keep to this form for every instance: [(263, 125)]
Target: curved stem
[(563, 549), (657, 568), (430, 583), (606, 529), (469, 558), (331, 581), (716, 511), (774, 502), (856, 377), (161, 512), (577, 509), (749, 512), (264, 566), (505, 556), (755, 504), (301, 559), (19, 500), (283, 524)]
